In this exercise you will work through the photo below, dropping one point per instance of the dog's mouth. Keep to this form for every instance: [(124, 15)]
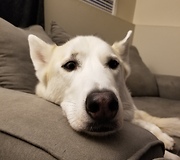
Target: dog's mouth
[(102, 128)]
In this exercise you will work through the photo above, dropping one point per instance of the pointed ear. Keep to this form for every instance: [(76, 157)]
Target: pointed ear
[(40, 52), (122, 49)]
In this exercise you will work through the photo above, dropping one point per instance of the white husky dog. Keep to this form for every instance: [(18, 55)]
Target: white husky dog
[(86, 77)]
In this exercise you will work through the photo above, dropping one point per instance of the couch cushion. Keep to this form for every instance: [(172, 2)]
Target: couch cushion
[(41, 124), (160, 107), (141, 81), (169, 83), (12, 148), (58, 34), (16, 69)]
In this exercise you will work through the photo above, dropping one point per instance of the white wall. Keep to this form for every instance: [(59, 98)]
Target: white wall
[(126, 9), (159, 48), (79, 18), (157, 12), (157, 34)]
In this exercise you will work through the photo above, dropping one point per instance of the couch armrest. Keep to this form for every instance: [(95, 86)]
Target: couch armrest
[(32, 128), (169, 86)]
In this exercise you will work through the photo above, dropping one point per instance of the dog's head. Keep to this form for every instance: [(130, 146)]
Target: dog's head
[(86, 76)]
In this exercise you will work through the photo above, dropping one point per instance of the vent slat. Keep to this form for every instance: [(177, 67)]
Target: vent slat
[(106, 5)]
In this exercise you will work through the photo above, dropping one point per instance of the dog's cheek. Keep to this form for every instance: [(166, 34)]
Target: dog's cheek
[(75, 117)]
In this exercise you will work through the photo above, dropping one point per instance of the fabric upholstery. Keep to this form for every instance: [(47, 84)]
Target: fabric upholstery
[(13, 148), (169, 86), (41, 124), (161, 107), (141, 81), (58, 34), (16, 69)]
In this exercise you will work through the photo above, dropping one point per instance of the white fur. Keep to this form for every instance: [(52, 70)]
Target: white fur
[(70, 89)]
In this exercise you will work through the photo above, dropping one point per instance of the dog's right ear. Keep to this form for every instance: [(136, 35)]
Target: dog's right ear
[(40, 52)]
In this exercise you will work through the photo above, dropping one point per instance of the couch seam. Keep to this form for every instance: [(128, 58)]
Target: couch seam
[(35, 145)]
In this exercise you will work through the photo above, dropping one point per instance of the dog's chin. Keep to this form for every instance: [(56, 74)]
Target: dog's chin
[(101, 129)]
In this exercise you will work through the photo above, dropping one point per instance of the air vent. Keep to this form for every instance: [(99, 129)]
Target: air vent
[(106, 5)]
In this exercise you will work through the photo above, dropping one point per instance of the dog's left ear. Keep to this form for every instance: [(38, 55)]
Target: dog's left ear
[(122, 49)]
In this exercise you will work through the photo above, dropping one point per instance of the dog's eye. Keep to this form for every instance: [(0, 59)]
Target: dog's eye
[(113, 64), (70, 66)]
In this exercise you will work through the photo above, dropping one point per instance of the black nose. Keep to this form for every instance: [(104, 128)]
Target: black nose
[(102, 105)]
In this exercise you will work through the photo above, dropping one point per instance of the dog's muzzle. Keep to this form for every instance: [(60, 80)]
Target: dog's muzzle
[(102, 107)]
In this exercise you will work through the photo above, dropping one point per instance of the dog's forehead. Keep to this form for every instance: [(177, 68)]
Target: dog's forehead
[(86, 45)]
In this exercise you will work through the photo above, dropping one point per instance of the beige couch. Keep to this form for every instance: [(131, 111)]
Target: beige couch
[(32, 128)]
